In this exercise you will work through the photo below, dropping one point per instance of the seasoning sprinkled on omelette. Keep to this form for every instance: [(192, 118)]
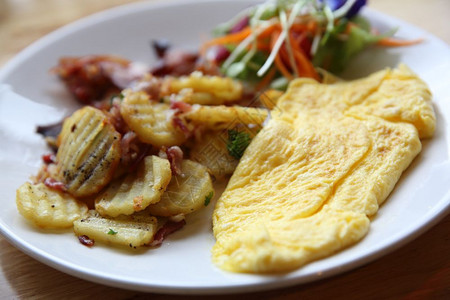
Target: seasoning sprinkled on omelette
[(309, 181)]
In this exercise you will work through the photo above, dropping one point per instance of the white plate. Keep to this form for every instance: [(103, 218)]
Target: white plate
[(182, 265)]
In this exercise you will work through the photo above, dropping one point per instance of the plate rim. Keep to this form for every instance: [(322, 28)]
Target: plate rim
[(401, 238)]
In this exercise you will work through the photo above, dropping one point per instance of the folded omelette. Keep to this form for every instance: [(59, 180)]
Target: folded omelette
[(311, 178)]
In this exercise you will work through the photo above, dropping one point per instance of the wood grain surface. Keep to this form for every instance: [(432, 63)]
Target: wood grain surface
[(418, 270)]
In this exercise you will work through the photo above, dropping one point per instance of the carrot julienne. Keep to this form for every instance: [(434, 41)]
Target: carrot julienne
[(304, 64), (278, 60), (393, 42), (295, 37), (266, 79), (231, 38)]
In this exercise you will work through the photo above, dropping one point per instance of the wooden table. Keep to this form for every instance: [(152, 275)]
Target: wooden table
[(419, 270)]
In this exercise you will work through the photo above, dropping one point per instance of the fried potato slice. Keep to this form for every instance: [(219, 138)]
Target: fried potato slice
[(137, 190), (206, 90), (221, 117), (89, 152), (211, 151), (128, 231), (185, 193), (152, 122), (47, 208)]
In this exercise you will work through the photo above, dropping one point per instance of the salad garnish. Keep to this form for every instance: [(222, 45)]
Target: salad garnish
[(279, 40), (238, 141)]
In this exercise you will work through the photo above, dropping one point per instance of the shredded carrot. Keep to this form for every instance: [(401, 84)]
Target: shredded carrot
[(311, 26), (269, 30), (278, 61), (305, 71), (231, 38), (263, 46), (387, 41), (305, 66), (349, 27), (285, 56), (237, 37), (281, 59), (282, 68), (393, 42), (265, 81), (301, 39)]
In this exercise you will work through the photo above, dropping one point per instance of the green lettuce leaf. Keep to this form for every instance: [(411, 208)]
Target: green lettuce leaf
[(335, 51)]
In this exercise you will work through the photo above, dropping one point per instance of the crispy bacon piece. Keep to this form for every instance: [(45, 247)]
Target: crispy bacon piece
[(49, 158), (175, 157), (180, 106), (160, 47), (116, 119), (177, 122), (168, 228), (85, 240), (133, 151), (51, 130), (144, 150), (54, 184), (151, 85), (175, 62), (90, 78), (129, 147)]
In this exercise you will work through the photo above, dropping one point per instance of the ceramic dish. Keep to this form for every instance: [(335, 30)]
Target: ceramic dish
[(183, 265)]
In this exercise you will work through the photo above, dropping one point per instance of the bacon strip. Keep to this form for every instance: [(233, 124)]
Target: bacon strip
[(168, 228), (180, 106), (89, 78), (175, 157), (143, 151), (54, 184), (177, 122), (85, 240), (49, 158)]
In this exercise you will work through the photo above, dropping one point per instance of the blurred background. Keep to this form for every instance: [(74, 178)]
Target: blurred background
[(24, 21)]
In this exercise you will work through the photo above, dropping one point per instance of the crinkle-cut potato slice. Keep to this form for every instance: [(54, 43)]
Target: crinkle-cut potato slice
[(222, 117), (206, 90), (185, 193), (137, 190), (152, 122), (48, 208), (126, 231), (88, 153), (211, 151)]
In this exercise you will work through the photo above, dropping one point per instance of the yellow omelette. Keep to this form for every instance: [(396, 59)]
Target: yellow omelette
[(311, 178)]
